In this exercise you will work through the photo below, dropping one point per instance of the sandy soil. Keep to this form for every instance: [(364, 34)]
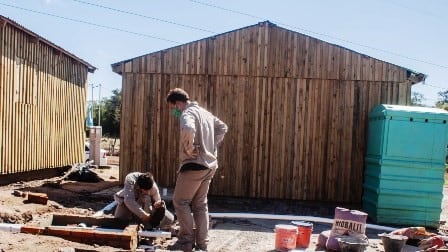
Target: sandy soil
[(70, 198), (86, 199)]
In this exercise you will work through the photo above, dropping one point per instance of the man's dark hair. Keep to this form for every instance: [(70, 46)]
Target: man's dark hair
[(177, 94), (145, 181)]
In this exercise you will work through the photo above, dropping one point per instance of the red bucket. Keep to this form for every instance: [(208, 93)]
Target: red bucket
[(304, 231), (285, 237)]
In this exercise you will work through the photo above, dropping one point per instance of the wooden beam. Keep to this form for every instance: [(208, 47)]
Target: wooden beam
[(104, 222), (126, 239)]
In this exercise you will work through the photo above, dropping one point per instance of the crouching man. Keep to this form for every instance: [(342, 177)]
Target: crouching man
[(140, 201)]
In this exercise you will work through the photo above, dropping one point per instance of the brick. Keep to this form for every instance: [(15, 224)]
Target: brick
[(39, 198), (32, 230)]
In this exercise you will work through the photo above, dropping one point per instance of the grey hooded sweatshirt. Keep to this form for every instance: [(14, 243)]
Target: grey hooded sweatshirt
[(201, 130)]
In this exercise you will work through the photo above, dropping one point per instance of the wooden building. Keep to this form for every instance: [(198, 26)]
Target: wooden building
[(42, 102), (296, 107)]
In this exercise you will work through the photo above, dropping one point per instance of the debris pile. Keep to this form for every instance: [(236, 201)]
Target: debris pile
[(83, 172)]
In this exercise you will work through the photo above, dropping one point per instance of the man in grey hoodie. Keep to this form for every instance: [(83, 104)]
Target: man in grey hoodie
[(140, 201), (200, 134)]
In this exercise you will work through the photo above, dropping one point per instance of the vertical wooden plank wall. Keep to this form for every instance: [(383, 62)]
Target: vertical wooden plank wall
[(296, 107), (42, 105), (2, 89)]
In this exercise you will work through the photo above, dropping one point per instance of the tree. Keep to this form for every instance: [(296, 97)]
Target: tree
[(443, 100), (111, 112), (110, 116), (417, 98)]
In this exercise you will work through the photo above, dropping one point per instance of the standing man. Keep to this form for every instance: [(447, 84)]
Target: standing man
[(200, 134), (140, 201)]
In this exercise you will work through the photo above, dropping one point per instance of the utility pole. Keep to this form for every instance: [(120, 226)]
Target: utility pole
[(92, 103), (99, 105), (92, 92), (99, 102)]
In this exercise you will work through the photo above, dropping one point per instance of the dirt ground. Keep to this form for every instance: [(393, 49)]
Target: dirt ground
[(227, 234)]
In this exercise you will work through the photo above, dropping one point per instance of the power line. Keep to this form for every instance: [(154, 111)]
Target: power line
[(196, 28), (92, 24), (320, 34), (419, 11), (144, 16), (434, 86), (229, 10)]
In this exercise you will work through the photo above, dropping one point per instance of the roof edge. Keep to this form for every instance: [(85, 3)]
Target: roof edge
[(118, 69), (4, 20), (412, 76), (415, 77)]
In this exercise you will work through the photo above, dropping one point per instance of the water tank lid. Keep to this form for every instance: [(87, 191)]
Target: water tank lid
[(406, 111)]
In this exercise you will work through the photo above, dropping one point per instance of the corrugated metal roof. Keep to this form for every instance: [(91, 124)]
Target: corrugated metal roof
[(4, 20)]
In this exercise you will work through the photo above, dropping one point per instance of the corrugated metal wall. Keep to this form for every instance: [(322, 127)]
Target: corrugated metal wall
[(296, 108), (42, 104)]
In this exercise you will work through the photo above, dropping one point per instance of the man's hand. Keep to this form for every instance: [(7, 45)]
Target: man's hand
[(195, 152), (159, 204), (192, 153), (158, 215)]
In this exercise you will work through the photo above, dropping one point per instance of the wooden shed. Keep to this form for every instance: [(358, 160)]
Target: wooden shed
[(296, 107), (42, 102)]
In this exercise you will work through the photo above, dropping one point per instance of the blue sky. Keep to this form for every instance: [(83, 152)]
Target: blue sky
[(409, 33)]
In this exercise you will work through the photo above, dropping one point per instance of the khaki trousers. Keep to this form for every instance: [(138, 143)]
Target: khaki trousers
[(190, 196)]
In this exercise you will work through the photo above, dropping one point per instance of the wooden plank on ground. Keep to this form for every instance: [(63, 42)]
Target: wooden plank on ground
[(126, 239), (102, 221)]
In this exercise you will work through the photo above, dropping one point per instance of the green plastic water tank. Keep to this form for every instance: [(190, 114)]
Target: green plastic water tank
[(405, 165)]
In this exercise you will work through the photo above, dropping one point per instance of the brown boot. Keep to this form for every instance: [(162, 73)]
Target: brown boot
[(185, 247)]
